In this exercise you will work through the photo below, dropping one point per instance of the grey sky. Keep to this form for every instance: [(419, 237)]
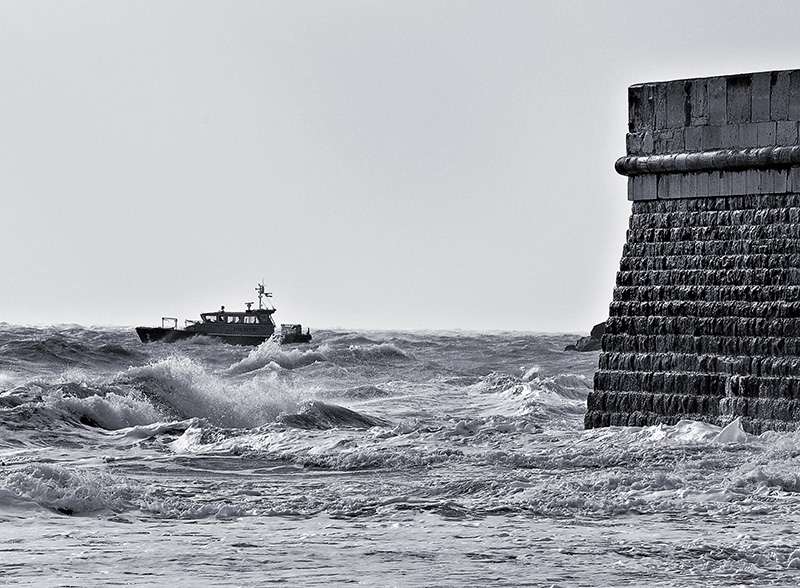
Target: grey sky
[(380, 164)]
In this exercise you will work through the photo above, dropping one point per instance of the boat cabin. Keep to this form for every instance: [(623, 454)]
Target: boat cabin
[(249, 317)]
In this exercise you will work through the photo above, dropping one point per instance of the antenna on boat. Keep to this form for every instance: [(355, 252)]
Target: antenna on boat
[(262, 294)]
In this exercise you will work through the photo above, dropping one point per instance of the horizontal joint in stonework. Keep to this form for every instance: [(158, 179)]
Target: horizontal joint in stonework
[(773, 157)]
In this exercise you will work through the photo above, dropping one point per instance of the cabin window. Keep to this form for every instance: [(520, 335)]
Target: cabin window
[(250, 320), (233, 319)]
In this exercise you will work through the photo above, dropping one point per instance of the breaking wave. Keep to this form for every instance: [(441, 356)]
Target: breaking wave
[(271, 354)]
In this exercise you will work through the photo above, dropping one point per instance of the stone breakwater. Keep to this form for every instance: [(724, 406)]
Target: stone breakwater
[(705, 318)]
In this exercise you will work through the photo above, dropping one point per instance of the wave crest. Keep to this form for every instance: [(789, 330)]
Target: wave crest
[(67, 491), (365, 353), (182, 388), (272, 353), (319, 415)]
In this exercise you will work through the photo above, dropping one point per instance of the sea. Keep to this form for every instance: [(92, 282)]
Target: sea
[(367, 458)]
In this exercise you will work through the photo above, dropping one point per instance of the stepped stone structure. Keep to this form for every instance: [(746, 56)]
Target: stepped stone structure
[(705, 320)]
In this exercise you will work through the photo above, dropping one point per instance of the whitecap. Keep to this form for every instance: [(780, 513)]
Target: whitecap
[(732, 433), (271, 354)]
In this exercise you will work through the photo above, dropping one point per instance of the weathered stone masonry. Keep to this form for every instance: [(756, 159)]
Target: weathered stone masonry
[(705, 320)]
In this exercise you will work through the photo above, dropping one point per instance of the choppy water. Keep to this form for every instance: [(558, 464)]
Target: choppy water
[(376, 459)]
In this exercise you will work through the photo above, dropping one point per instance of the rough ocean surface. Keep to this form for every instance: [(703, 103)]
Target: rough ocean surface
[(375, 459)]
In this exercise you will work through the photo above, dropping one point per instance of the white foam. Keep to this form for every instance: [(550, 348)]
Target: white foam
[(111, 411), (271, 354), (67, 490), (732, 433), (189, 390)]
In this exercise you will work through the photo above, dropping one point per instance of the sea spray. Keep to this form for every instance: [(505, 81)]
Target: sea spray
[(183, 388)]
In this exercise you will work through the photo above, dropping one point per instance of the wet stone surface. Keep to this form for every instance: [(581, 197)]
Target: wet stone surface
[(705, 322)]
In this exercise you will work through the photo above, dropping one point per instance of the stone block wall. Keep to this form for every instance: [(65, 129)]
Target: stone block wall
[(705, 320)]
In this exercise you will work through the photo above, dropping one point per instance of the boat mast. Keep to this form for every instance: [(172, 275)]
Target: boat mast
[(262, 294)]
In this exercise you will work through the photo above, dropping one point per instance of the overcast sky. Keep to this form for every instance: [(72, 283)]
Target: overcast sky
[(381, 164)]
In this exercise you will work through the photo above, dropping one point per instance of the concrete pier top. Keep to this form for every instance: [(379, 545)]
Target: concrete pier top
[(746, 126)]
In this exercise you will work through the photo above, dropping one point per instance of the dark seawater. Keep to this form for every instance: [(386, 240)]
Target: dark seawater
[(366, 458)]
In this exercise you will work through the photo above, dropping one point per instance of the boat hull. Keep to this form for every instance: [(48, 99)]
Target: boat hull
[(152, 334), (160, 334)]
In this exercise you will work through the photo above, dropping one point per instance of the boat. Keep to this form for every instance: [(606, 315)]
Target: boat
[(247, 327)]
